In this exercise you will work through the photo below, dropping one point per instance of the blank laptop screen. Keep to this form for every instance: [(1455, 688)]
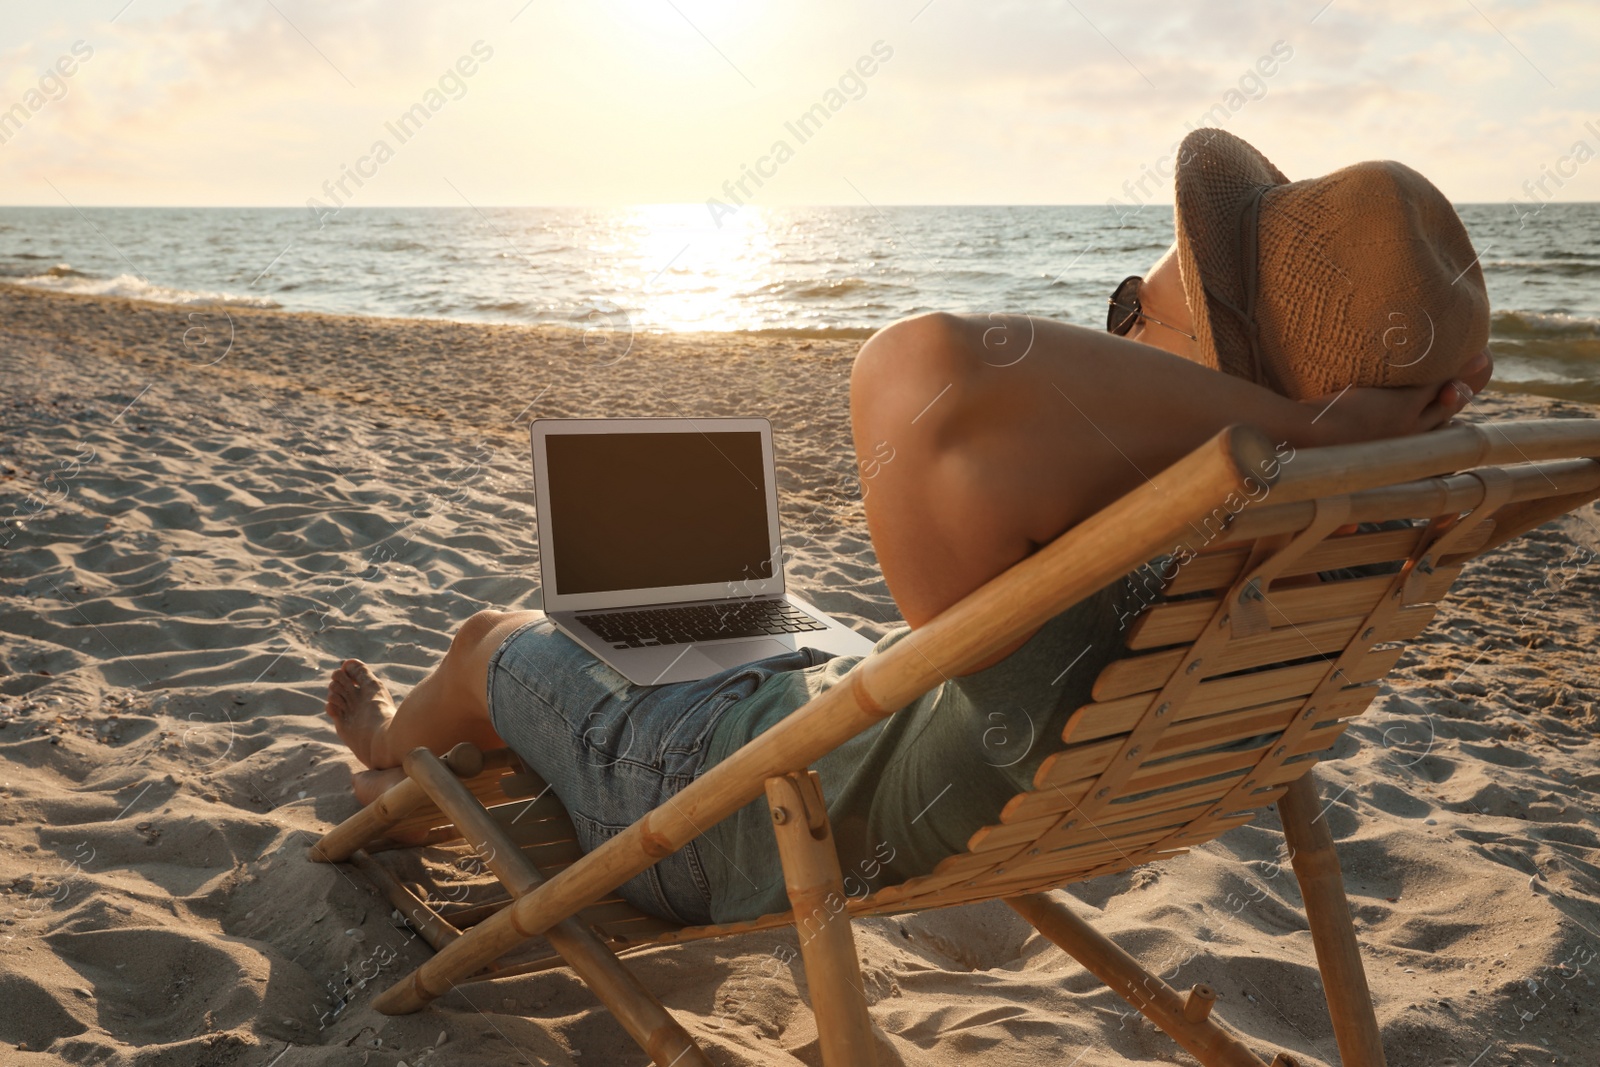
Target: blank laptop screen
[(647, 510)]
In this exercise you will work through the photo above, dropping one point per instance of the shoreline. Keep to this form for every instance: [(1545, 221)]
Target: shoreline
[(613, 332), (235, 303)]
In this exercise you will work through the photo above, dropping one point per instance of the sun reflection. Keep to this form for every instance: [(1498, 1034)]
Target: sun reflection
[(671, 267)]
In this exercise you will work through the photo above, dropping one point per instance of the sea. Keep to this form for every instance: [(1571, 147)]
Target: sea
[(818, 271)]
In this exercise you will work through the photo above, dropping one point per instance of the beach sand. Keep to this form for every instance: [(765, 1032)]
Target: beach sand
[(231, 502)]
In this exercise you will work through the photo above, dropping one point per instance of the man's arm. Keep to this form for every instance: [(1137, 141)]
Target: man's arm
[(1006, 431)]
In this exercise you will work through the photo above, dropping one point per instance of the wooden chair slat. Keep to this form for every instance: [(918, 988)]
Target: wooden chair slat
[(965, 864), (619, 911), (1061, 836), (1193, 735), (638, 928), (1095, 721), (1181, 621), (1218, 567), (1196, 767), (427, 816), (553, 856), (1287, 773), (1078, 858), (1196, 735), (522, 811), (1034, 804), (1042, 802), (1139, 674), (1077, 762), (1067, 862), (1262, 687), (683, 934), (950, 894), (997, 836), (1319, 739), (1016, 835), (522, 785), (528, 832), (603, 912), (545, 813), (1186, 768), (521, 963)]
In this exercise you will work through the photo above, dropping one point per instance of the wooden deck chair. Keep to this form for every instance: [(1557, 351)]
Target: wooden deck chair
[(1243, 643)]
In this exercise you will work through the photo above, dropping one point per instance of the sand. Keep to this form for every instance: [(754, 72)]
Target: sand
[(229, 502)]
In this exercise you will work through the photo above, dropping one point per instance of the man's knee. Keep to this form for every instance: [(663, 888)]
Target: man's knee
[(476, 631)]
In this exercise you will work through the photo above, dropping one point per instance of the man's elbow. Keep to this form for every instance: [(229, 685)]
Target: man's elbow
[(905, 369)]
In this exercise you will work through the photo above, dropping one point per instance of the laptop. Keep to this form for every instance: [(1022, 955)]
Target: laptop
[(659, 548)]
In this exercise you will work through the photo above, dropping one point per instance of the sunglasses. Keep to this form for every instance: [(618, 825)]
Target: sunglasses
[(1125, 310)]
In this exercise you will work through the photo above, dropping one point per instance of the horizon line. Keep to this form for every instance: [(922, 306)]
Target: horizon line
[(653, 203)]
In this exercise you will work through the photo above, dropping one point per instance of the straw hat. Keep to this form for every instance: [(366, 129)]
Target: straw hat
[(1363, 277)]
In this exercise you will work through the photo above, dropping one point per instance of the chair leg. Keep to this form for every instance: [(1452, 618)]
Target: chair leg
[(816, 891), (342, 842), (1316, 868), (640, 1013), (434, 928), (1186, 1020)]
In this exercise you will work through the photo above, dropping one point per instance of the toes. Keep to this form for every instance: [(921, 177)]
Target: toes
[(360, 674), (336, 701), (353, 684)]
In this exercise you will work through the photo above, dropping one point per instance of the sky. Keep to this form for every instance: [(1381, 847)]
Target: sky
[(512, 102)]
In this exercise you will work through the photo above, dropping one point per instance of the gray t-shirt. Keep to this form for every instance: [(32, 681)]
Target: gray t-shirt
[(913, 788)]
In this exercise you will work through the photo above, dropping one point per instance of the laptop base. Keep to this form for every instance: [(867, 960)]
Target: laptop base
[(665, 664)]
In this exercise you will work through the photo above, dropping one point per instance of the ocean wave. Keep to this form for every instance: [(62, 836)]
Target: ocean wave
[(1567, 267), (396, 244), (816, 332), (1542, 325), (20, 274), (1547, 352), (503, 306), (63, 278), (818, 289), (1536, 373), (796, 333)]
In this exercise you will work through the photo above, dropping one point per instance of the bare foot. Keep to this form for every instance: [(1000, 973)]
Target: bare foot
[(370, 785), (360, 707)]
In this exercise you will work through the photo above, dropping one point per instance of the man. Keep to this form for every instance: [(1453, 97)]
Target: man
[(1338, 309)]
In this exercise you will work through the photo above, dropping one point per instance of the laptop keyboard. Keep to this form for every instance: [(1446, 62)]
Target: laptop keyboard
[(699, 622)]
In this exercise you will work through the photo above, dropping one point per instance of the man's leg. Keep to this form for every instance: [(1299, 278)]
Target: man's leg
[(448, 706)]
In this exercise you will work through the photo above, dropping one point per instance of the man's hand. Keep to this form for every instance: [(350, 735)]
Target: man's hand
[(1373, 413), (1477, 373)]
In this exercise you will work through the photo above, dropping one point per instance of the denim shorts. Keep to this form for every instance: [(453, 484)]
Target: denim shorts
[(612, 751)]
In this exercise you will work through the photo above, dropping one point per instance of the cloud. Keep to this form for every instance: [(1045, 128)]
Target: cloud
[(229, 101)]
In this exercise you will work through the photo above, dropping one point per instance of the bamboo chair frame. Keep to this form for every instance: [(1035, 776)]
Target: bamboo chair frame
[(1227, 655)]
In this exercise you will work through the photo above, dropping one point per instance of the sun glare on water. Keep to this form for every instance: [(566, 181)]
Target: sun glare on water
[(671, 267)]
